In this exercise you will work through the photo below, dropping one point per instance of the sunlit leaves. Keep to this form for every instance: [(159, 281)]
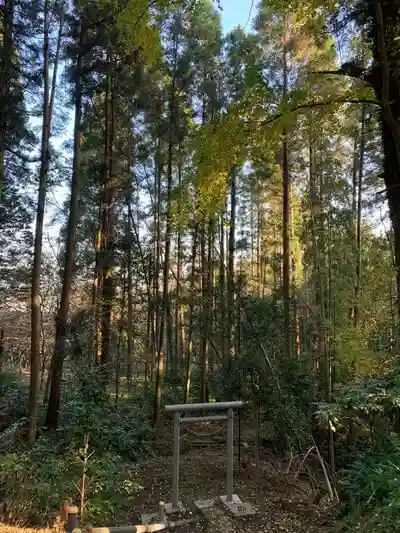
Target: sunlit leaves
[(219, 146), (137, 27)]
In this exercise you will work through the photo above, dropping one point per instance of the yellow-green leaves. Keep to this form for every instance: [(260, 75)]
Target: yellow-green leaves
[(138, 30), (219, 146), (136, 23)]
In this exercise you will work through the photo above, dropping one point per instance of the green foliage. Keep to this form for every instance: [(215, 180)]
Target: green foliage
[(138, 30), (122, 429), (13, 396), (372, 490), (35, 482), (112, 487), (368, 412), (265, 377)]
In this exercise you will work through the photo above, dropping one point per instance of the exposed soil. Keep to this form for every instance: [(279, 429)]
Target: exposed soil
[(282, 503)]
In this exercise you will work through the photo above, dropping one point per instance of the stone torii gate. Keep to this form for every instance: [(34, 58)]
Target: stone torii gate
[(230, 500)]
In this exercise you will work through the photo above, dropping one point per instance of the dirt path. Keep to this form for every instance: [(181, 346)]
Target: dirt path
[(281, 502)]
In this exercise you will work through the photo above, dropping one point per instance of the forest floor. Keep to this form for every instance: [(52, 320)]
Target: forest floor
[(281, 502), (14, 529)]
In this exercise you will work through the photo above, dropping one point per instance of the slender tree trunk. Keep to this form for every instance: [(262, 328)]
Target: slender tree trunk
[(63, 311), (252, 240), (296, 322), (358, 210), (103, 234), (329, 335), (189, 355), (286, 209), (120, 334), (166, 315), (296, 258), (157, 254), (231, 316), (1, 349), (177, 355), (129, 354), (42, 350), (259, 250), (97, 286), (320, 258), (314, 248), (203, 328), (48, 102), (210, 299), (177, 359), (354, 214), (222, 290), (322, 270), (384, 80), (108, 229), (150, 323), (5, 83), (204, 345)]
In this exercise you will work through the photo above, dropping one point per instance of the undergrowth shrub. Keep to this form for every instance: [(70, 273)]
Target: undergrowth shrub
[(279, 384), (372, 490), (366, 422), (123, 428), (13, 396), (35, 482)]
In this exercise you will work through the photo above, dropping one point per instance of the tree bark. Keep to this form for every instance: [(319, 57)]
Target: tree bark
[(157, 254), (189, 355), (129, 354), (178, 356), (286, 211), (205, 294), (358, 212), (231, 316), (108, 223), (63, 311), (5, 83), (384, 20), (48, 103), (222, 289), (1, 349), (166, 314)]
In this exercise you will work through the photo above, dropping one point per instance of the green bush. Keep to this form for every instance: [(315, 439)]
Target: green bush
[(122, 428), (373, 490), (13, 396), (262, 373), (35, 483), (112, 488)]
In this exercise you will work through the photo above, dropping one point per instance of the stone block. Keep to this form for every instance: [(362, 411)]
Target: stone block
[(170, 510), (149, 518), (237, 507), (204, 504)]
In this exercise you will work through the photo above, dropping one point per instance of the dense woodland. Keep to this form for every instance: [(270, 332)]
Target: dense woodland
[(191, 216)]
